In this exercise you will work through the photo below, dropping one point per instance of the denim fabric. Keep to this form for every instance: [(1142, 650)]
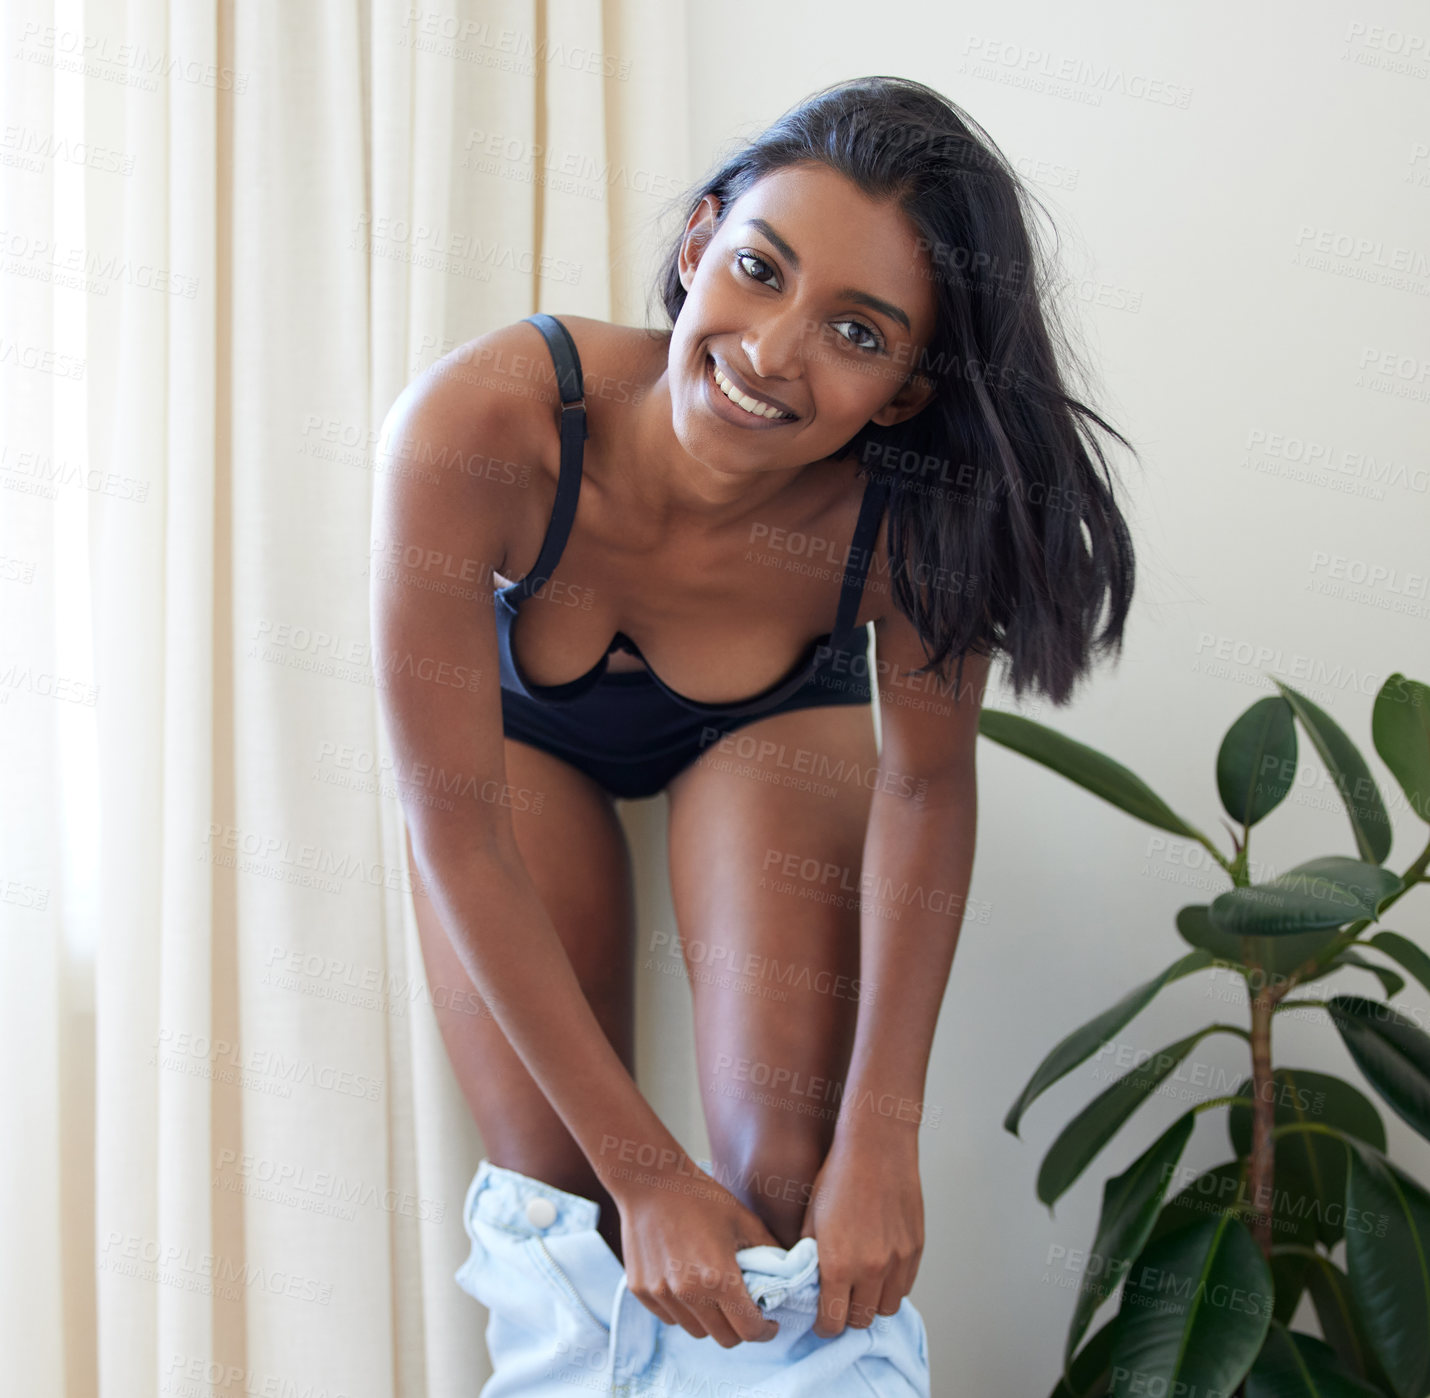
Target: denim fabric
[(561, 1317)]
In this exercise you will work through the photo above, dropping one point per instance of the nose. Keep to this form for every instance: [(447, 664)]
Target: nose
[(773, 345)]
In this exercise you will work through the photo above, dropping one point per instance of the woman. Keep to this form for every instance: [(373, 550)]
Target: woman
[(858, 416)]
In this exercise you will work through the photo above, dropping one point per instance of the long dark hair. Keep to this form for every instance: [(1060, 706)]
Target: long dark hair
[(1016, 510)]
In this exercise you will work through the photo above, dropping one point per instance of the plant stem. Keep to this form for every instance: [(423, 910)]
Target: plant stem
[(1263, 1117), (1234, 868), (1229, 1029)]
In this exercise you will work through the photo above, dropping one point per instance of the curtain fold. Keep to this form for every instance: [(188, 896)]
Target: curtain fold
[(34, 694), (238, 1154)]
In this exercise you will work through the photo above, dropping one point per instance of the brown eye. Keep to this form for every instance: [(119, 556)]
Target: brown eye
[(873, 343), (743, 257)]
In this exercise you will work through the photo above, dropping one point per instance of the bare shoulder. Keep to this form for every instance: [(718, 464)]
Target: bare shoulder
[(497, 389), (472, 441)]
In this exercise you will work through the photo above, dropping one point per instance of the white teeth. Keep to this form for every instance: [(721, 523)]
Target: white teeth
[(750, 405)]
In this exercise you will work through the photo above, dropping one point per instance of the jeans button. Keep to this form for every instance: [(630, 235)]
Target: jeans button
[(540, 1212)]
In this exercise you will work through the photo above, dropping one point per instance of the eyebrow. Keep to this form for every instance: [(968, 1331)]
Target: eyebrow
[(850, 293)]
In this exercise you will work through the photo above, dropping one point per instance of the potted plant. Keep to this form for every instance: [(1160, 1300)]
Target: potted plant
[(1212, 1273)]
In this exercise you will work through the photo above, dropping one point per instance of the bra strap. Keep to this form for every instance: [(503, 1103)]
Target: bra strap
[(574, 431), (861, 552)]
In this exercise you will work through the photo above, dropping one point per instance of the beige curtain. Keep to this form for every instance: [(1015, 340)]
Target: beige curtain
[(233, 1155)]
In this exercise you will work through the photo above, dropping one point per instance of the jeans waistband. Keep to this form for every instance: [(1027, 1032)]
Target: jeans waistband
[(524, 1205)]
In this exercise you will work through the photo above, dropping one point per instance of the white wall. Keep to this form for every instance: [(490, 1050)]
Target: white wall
[(1192, 218)]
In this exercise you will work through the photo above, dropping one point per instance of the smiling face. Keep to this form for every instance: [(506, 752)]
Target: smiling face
[(808, 298)]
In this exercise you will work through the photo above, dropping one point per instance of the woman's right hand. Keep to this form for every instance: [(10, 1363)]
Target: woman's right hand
[(680, 1231)]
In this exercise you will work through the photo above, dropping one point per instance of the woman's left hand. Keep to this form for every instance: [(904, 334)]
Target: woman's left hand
[(866, 1212)]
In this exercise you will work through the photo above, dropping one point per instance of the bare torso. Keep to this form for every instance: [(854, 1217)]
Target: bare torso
[(721, 613)]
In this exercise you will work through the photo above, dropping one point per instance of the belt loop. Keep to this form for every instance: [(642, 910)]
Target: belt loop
[(632, 1345)]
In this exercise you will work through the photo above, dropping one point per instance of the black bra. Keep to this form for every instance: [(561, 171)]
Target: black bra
[(573, 433)]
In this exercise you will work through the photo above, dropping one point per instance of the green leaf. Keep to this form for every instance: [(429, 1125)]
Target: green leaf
[(1130, 1204), (1292, 1365), (1288, 1282), (1392, 983), (1196, 929), (1392, 1052), (1341, 1323), (1257, 760), (1091, 1129), (1403, 950), (1092, 1369), (1083, 1042), (1303, 1096), (1084, 765), (1400, 729), (1388, 1261), (1277, 956), (1219, 1190), (1195, 1310), (1325, 892), (1369, 823)]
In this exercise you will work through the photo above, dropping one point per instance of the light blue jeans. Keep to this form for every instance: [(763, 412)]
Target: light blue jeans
[(561, 1317)]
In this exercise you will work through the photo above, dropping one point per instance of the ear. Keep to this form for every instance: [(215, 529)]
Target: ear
[(911, 398), (699, 230)]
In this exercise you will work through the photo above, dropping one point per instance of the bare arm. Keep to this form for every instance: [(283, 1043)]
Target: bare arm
[(438, 672), (918, 859)]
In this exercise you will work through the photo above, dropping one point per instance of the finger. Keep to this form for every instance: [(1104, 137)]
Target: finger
[(833, 1308), (685, 1317), (741, 1311), (864, 1301), (686, 1297), (704, 1295), (746, 1319), (898, 1285), (654, 1307), (891, 1298), (667, 1306), (711, 1319), (703, 1312)]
